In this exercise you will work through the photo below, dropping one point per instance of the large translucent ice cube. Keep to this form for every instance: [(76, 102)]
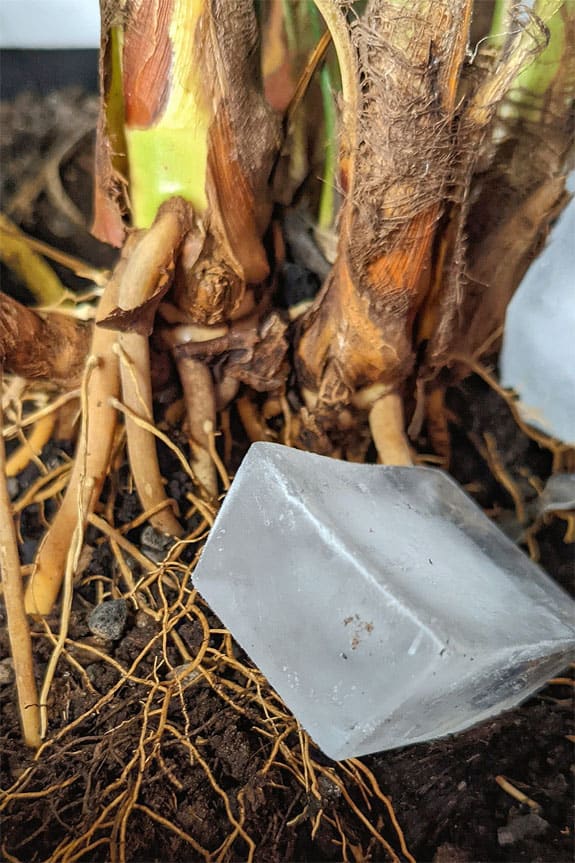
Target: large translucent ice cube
[(380, 602)]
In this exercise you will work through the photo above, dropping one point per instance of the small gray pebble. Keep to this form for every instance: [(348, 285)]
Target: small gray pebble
[(522, 827), (13, 487), (155, 544), (155, 539), (329, 790), (108, 619)]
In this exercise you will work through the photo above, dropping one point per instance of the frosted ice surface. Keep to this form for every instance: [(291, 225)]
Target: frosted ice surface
[(538, 354), (380, 603)]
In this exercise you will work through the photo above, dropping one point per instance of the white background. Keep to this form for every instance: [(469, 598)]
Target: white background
[(49, 23)]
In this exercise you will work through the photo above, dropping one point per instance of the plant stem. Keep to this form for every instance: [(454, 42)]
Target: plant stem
[(337, 25), (326, 214), (167, 154)]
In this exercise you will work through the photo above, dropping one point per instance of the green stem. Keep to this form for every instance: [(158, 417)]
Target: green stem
[(169, 157), (347, 61), (326, 212), (526, 96), (500, 23)]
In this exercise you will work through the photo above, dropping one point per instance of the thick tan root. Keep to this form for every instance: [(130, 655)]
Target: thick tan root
[(101, 382), (149, 263), (388, 432), (18, 630), (137, 395), (199, 397)]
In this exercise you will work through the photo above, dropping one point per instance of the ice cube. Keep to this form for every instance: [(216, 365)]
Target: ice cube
[(538, 354), (380, 602)]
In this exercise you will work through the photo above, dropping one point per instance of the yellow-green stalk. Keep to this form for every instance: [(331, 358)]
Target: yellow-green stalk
[(168, 157), (327, 201), (527, 95)]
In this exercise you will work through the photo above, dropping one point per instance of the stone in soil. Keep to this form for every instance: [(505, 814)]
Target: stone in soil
[(108, 619)]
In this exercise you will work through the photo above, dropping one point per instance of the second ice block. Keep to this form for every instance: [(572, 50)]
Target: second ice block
[(380, 602)]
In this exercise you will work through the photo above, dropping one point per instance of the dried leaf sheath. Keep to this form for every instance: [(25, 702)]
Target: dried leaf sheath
[(447, 313), (395, 165), (523, 190)]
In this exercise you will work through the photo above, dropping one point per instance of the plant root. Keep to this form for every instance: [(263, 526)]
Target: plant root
[(199, 396), (18, 629), (252, 421), (101, 382), (137, 395), (144, 277), (388, 432)]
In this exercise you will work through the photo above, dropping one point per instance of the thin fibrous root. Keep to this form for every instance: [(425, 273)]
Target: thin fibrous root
[(18, 630), (101, 382), (199, 396), (388, 432)]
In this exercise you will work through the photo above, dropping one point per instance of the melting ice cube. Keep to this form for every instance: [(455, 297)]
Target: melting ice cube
[(538, 354), (380, 602)]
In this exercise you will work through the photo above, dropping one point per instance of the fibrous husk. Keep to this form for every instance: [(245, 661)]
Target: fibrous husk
[(417, 128), (508, 186), (396, 162), (521, 192)]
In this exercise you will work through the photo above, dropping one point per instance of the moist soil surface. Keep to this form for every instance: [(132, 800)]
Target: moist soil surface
[(138, 770)]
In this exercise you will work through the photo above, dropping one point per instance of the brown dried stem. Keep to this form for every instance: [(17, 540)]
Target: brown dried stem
[(357, 341), (17, 622)]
